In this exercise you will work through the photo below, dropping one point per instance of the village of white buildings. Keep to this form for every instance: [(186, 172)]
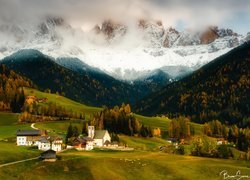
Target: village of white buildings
[(54, 144)]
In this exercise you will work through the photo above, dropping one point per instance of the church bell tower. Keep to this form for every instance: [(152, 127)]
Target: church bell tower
[(91, 131)]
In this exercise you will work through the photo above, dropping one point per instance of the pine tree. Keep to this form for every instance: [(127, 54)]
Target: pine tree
[(230, 136), (69, 133), (75, 132)]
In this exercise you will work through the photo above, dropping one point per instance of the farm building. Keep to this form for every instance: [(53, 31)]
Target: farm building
[(83, 143), (49, 155), (38, 138), (28, 137), (47, 142)]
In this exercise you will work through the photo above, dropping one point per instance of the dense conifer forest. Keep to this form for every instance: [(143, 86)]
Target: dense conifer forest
[(219, 90)]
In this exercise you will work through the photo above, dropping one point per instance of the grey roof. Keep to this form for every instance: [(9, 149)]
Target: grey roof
[(28, 133), (44, 140), (88, 139), (50, 154), (99, 134), (82, 140)]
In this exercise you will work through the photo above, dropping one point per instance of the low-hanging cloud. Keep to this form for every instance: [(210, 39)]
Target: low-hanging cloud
[(188, 13)]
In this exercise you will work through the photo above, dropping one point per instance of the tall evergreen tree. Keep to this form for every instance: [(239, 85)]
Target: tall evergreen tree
[(75, 132), (69, 133)]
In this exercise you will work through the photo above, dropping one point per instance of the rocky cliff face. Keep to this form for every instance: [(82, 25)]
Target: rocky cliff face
[(209, 36), (171, 35), (159, 36), (112, 29)]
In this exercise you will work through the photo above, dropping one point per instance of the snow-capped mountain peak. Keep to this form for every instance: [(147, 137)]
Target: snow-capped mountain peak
[(124, 51)]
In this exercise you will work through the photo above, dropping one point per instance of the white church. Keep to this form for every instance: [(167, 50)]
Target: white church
[(95, 138), (100, 137)]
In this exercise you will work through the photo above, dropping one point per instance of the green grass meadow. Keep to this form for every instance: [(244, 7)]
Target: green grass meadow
[(163, 124), (62, 101), (146, 161), (124, 165), (9, 152), (9, 125)]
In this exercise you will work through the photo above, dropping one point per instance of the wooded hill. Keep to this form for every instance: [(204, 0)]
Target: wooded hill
[(88, 87), (218, 90), (11, 96)]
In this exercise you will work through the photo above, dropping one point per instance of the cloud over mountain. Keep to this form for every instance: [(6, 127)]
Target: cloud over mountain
[(183, 13)]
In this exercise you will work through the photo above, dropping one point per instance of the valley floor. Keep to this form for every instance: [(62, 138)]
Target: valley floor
[(146, 162), (124, 165)]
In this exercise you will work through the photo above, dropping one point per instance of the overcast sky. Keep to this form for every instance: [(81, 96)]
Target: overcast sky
[(182, 14)]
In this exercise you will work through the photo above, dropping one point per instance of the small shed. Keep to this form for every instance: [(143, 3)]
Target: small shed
[(49, 155)]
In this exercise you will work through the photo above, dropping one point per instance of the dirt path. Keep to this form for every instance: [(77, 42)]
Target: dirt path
[(7, 164), (33, 126)]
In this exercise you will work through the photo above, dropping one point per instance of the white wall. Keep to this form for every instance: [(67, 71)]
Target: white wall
[(89, 145), (106, 137), (56, 147), (46, 146), (98, 142), (43, 146), (21, 140)]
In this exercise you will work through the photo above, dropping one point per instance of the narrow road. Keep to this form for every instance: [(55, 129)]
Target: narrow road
[(7, 164), (33, 126)]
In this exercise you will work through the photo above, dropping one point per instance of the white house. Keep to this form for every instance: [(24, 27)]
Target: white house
[(100, 137), (28, 137), (57, 144), (44, 144), (83, 143), (221, 141), (47, 142)]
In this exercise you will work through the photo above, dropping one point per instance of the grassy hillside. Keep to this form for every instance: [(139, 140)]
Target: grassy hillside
[(145, 144), (8, 150), (128, 165), (8, 118), (59, 128), (157, 122), (163, 123), (145, 162), (9, 126), (62, 101)]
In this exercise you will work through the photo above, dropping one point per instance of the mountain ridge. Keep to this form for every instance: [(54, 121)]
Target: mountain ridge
[(148, 43), (217, 90), (76, 80)]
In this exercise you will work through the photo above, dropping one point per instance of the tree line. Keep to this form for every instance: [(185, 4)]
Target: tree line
[(180, 128), (120, 120), (11, 93), (219, 90), (31, 112), (238, 136)]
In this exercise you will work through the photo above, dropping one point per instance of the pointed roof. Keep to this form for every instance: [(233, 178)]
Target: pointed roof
[(44, 140), (49, 154), (99, 134)]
